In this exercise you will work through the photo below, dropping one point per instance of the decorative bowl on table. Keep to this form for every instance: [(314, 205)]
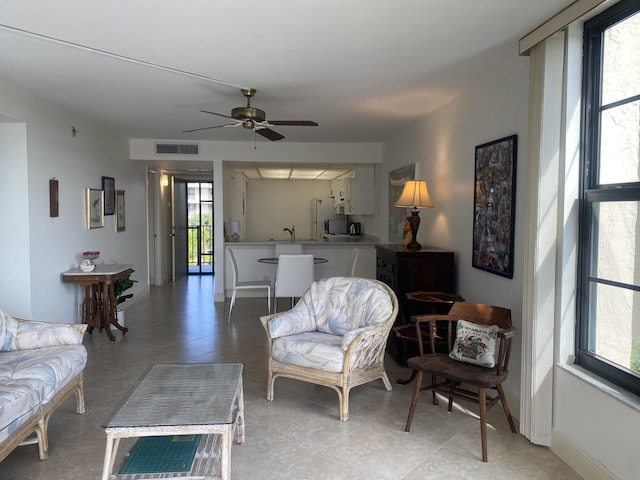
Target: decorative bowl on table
[(87, 264)]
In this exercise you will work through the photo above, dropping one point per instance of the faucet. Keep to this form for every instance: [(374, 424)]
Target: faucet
[(292, 232)]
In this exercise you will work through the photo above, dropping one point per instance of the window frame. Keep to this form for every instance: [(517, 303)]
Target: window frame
[(592, 192)]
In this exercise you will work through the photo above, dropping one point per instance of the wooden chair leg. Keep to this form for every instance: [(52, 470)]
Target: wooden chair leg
[(414, 400), (433, 390), (452, 387), (482, 399), (505, 407)]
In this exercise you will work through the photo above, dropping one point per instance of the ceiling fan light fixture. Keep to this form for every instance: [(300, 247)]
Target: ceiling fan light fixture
[(248, 113), (254, 119)]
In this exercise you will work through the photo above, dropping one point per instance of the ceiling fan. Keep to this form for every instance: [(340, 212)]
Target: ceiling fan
[(254, 119)]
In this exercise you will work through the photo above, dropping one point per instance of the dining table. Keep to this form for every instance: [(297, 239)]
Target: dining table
[(274, 260)]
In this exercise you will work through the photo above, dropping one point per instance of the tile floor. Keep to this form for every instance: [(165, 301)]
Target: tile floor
[(298, 435)]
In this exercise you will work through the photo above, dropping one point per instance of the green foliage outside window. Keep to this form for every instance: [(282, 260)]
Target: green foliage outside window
[(635, 355)]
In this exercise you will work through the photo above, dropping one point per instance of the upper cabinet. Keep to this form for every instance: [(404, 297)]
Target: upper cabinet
[(360, 191), (338, 191)]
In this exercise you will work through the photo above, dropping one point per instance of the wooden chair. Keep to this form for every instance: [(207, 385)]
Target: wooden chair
[(456, 376)]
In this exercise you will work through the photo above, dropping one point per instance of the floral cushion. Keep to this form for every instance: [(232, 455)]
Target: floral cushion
[(317, 332), (311, 349), (475, 344), (335, 305), (8, 332), (17, 335), (30, 374), (32, 377)]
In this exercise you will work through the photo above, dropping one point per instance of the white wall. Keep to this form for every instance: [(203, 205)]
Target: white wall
[(273, 205), (594, 428), (14, 213), (443, 146), (266, 152), (43, 247), (235, 197)]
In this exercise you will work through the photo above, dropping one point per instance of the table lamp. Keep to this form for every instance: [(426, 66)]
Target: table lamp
[(414, 195)]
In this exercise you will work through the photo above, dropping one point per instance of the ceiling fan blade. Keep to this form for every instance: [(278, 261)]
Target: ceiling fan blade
[(268, 133), (206, 128), (218, 114), (296, 123)]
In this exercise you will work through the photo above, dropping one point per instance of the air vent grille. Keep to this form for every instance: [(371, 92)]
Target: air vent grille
[(177, 148)]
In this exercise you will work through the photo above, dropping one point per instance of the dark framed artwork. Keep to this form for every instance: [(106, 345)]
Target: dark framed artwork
[(53, 197), (109, 188), (120, 218), (494, 206), (398, 216)]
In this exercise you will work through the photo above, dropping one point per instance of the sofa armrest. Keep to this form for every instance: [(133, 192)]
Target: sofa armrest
[(32, 334)]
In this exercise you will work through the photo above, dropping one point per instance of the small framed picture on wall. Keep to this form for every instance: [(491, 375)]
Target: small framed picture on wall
[(95, 208), (109, 186), (120, 218)]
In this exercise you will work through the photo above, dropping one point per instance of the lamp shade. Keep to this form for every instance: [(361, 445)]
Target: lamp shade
[(415, 195), (235, 226)]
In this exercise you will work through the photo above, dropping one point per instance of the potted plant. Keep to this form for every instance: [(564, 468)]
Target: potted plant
[(119, 287)]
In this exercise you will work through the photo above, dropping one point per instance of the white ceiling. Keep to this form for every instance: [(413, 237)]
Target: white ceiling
[(362, 69)]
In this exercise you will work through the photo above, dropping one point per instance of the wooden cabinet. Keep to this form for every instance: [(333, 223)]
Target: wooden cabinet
[(428, 270)]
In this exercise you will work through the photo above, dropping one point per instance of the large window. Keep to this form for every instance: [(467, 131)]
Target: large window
[(608, 340)]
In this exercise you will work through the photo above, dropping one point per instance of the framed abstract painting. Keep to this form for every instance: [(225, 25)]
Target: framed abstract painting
[(494, 206)]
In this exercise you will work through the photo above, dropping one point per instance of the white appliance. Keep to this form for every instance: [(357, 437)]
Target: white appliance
[(321, 211)]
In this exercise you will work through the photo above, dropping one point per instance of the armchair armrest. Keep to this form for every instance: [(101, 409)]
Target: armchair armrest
[(365, 346), (288, 323)]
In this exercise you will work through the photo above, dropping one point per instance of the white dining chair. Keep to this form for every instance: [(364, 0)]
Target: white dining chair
[(294, 276), (356, 254), (245, 284)]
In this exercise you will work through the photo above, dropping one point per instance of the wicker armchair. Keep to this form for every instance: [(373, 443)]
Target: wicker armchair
[(335, 336)]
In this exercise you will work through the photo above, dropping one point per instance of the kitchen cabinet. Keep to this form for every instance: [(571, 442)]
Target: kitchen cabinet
[(338, 191), (360, 191)]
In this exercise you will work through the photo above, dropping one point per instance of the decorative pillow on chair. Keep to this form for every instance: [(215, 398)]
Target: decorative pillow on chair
[(475, 344)]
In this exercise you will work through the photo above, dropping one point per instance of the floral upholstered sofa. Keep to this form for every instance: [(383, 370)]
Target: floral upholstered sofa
[(41, 364)]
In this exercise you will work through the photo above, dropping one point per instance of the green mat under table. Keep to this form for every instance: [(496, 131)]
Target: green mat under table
[(166, 454)]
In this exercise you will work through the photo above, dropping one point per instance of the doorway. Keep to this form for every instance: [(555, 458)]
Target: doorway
[(200, 250)]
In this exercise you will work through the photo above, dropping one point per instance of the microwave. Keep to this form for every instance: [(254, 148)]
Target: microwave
[(336, 226)]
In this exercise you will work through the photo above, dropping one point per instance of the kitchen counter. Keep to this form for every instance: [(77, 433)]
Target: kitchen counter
[(338, 239), (338, 252)]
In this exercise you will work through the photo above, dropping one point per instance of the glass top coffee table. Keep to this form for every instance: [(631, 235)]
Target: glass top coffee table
[(172, 399)]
